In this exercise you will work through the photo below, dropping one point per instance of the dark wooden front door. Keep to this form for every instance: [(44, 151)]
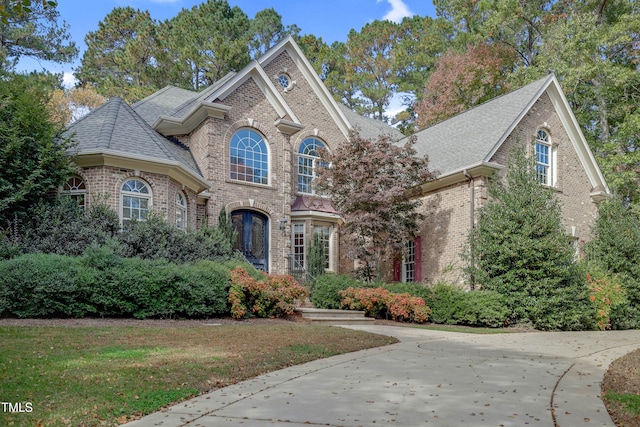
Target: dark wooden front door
[(253, 237)]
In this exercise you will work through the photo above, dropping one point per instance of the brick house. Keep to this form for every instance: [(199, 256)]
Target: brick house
[(249, 144)]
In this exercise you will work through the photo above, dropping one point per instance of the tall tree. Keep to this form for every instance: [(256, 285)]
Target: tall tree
[(33, 156), (203, 44), (31, 29), (520, 249), (594, 52), (463, 80), (377, 211), (266, 30), (121, 54), (370, 66)]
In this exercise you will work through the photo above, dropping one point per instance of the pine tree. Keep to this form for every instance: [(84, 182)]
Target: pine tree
[(520, 249)]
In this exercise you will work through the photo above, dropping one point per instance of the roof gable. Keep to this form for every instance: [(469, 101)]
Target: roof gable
[(471, 138)]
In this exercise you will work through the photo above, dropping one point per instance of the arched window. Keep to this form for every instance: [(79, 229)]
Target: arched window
[(308, 158), (249, 157), (181, 211), (544, 158), (135, 198), (76, 189)]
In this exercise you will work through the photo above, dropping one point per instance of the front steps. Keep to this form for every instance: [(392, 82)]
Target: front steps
[(333, 317)]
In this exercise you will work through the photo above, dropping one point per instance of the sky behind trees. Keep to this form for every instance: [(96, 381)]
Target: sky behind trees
[(331, 19)]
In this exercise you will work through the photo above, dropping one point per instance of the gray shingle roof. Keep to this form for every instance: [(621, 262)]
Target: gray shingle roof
[(471, 137), (162, 102), (368, 128), (115, 127), (180, 109)]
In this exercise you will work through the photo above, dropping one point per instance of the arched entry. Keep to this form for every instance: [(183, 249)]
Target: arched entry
[(253, 237)]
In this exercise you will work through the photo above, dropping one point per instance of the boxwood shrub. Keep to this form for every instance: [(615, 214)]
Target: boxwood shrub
[(101, 283)]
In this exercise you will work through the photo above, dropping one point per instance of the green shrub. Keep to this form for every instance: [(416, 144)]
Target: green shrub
[(155, 238), (481, 308), (326, 290), (105, 284), (39, 285)]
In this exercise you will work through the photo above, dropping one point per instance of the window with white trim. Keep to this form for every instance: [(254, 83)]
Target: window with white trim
[(181, 211), (249, 157), (544, 159), (76, 189), (135, 201), (308, 161)]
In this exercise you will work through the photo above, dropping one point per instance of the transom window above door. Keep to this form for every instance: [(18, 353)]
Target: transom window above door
[(248, 157)]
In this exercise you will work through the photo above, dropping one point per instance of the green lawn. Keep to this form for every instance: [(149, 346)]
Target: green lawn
[(69, 376)]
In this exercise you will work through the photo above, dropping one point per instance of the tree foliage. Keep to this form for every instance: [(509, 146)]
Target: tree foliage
[(520, 249), (615, 247), (30, 28), (377, 211), (34, 157), (121, 54), (463, 80), (67, 105)]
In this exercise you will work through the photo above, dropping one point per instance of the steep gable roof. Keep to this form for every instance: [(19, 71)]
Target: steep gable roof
[(116, 130), (471, 138)]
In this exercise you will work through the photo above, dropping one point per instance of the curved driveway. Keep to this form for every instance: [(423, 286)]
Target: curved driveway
[(430, 378)]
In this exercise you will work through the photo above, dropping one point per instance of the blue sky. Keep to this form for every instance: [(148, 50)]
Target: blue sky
[(330, 19)]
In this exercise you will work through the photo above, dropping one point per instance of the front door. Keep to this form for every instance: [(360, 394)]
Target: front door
[(252, 237)]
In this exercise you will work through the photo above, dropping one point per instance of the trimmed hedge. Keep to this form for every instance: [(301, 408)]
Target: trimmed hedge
[(101, 283)]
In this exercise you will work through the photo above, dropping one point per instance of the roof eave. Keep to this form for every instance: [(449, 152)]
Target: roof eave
[(176, 170), (482, 169), (167, 125)]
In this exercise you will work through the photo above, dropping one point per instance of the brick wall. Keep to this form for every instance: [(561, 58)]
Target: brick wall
[(448, 216)]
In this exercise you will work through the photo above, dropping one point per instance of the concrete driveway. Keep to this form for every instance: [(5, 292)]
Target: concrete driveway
[(430, 378)]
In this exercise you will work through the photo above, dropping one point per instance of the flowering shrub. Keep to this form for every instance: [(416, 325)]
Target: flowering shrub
[(605, 293), (274, 296), (379, 302)]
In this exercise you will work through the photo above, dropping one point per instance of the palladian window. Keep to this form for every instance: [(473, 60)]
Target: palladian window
[(249, 157), (135, 198)]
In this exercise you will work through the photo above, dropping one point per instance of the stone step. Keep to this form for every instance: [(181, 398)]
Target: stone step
[(318, 315)]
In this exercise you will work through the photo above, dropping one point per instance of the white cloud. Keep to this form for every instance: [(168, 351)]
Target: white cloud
[(398, 11), (68, 80)]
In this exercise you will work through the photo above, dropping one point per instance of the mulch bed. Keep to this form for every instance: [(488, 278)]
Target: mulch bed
[(149, 323), (623, 377)]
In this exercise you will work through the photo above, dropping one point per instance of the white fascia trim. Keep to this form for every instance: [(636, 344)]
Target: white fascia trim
[(576, 136), (316, 215), (459, 175), (168, 125), (305, 67), (255, 71)]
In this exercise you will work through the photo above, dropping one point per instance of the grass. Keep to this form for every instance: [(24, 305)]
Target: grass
[(108, 375), (630, 402)]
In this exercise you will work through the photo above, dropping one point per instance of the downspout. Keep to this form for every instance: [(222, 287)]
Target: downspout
[(471, 220)]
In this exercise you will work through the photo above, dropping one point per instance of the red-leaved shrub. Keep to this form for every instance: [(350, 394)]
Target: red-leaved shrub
[(274, 296), (379, 302)]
